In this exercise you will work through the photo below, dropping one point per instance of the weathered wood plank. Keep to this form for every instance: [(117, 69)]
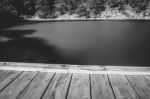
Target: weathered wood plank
[(141, 86), (40, 68), (148, 79), (83, 69), (3, 72), (80, 87), (101, 88), (35, 65), (36, 88), (127, 68), (14, 89), (7, 77), (122, 87), (58, 87)]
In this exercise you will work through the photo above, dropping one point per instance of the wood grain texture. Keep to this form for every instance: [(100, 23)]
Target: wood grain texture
[(80, 87), (100, 87), (122, 87), (36, 88), (8, 77), (2, 72), (141, 86), (58, 87), (83, 69), (14, 89)]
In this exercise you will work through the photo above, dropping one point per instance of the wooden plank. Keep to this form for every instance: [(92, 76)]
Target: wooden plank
[(8, 77), (83, 69), (34, 68), (128, 70), (58, 87), (101, 88), (58, 66), (2, 72), (148, 79), (122, 87), (80, 87), (17, 64), (36, 88), (14, 89), (141, 86)]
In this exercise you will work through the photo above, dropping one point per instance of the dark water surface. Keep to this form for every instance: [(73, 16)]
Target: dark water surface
[(88, 42)]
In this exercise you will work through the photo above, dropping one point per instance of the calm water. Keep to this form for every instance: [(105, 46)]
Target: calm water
[(90, 42)]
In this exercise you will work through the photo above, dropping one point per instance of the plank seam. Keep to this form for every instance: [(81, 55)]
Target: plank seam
[(146, 79), (90, 86), (48, 85), (4, 73), (111, 87), (69, 87), (27, 85), (11, 81), (132, 87)]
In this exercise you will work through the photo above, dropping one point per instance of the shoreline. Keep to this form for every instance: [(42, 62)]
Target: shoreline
[(73, 18), (87, 19)]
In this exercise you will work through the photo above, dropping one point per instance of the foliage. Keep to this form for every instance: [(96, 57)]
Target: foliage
[(83, 8)]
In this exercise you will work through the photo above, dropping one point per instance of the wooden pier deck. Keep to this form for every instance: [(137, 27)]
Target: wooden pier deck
[(38, 81)]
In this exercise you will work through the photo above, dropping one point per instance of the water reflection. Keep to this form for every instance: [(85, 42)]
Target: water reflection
[(19, 48), (103, 43)]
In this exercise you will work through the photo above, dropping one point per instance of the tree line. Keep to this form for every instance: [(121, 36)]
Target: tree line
[(82, 8)]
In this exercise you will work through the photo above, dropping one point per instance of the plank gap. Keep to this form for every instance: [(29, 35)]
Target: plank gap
[(69, 87), (58, 87), (27, 85), (10, 81), (111, 87), (90, 86), (133, 87), (13, 90), (48, 85), (36, 88), (2, 72)]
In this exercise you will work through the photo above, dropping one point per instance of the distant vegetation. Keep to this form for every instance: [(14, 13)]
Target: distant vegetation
[(49, 9)]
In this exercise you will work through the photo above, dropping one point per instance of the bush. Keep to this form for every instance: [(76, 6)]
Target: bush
[(83, 11)]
